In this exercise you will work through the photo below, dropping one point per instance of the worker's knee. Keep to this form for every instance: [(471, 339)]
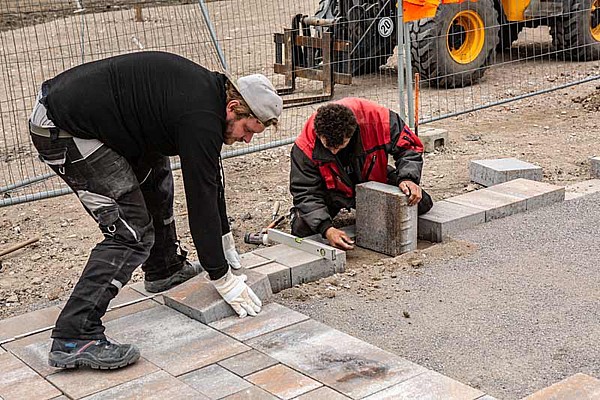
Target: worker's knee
[(425, 204)]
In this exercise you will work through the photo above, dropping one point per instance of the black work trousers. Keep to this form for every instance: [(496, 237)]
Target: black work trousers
[(132, 202)]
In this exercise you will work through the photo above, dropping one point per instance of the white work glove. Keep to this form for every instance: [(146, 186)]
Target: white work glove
[(231, 254), (237, 294)]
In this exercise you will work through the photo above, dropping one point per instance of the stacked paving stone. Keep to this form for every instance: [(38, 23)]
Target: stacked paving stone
[(459, 213), (500, 170), (576, 387), (280, 354)]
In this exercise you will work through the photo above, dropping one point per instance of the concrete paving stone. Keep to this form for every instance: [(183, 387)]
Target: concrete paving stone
[(496, 205), (340, 361), (172, 341), (253, 393), (139, 287), (81, 382), (214, 381), (198, 298), (157, 386), (248, 362), (446, 218), (322, 393), (28, 322), (33, 350), (575, 387), (595, 167), (18, 381), (385, 223), (305, 267), (486, 397), (433, 138), (495, 171), (61, 398), (279, 275), (579, 189), (429, 385), (250, 259), (273, 316), (283, 382), (537, 194), (126, 295)]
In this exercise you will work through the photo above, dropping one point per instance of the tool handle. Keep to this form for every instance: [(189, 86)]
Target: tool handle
[(19, 245), (276, 222), (276, 206)]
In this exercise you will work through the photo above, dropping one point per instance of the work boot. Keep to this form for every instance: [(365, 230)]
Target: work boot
[(96, 354), (188, 271)]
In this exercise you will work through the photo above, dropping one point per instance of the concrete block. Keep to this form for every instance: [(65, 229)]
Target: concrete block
[(446, 218), (214, 381), (537, 194), (272, 317), (28, 322), (384, 221), (280, 276), (157, 386), (248, 362), (493, 172), (430, 385), (283, 382), (84, 381), (346, 364), (122, 304), (496, 205), (578, 386), (251, 260), (172, 341), (595, 167), (198, 299), (433, 138), (18, 381), (304, 266)]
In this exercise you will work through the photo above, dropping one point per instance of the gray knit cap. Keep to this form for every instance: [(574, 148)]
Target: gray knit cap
[(260, 95)]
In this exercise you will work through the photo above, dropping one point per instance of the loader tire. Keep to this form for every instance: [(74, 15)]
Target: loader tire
[(576, 36), (454, 48)]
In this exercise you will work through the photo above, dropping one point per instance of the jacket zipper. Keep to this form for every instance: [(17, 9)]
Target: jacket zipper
[(366, 178)]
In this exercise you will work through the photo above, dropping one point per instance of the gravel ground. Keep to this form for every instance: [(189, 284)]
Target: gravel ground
[(511, 317)]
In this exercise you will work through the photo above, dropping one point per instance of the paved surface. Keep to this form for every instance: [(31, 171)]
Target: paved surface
[(280, 354), (518, 315)]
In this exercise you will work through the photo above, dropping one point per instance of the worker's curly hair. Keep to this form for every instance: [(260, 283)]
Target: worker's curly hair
[(335, 123), (243, 110)]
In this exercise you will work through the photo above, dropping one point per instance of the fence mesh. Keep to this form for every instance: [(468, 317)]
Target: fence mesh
[(469, 56)]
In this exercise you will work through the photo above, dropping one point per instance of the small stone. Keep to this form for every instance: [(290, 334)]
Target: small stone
[(12, 299), (245, 217), (416, 263), (36, 257), (36, 281), (405, 314)]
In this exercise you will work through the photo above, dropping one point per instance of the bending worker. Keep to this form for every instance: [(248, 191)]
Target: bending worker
[(343, 144), (107, 129)]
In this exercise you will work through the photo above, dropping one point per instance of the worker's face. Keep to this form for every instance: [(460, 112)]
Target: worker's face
[(240, 129), (334, 150)]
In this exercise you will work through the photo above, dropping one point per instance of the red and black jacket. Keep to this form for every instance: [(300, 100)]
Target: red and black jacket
[(319, 183)]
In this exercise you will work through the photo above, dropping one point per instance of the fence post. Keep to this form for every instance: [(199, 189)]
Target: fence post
[(400, 47), (409, 78), (213, 35)]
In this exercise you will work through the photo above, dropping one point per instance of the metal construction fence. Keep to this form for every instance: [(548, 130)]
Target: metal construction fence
[(467, 56)]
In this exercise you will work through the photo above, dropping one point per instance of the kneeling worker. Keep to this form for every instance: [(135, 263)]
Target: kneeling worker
[(345, 143)]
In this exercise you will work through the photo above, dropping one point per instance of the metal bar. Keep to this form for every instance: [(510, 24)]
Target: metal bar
[(213, 35), (26, 182), (520, 97), (307, 245), (290, 78), (409, 77), (400, 47), (312, 74)]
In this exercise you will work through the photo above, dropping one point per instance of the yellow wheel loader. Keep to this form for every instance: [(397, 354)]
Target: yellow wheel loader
[(452, 41)]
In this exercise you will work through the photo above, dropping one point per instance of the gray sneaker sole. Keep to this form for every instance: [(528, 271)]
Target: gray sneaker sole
[(59, 359)]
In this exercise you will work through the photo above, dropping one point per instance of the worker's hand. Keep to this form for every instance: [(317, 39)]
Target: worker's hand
[(412, 190), (231, 254), (237, 294), (338, 238)]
